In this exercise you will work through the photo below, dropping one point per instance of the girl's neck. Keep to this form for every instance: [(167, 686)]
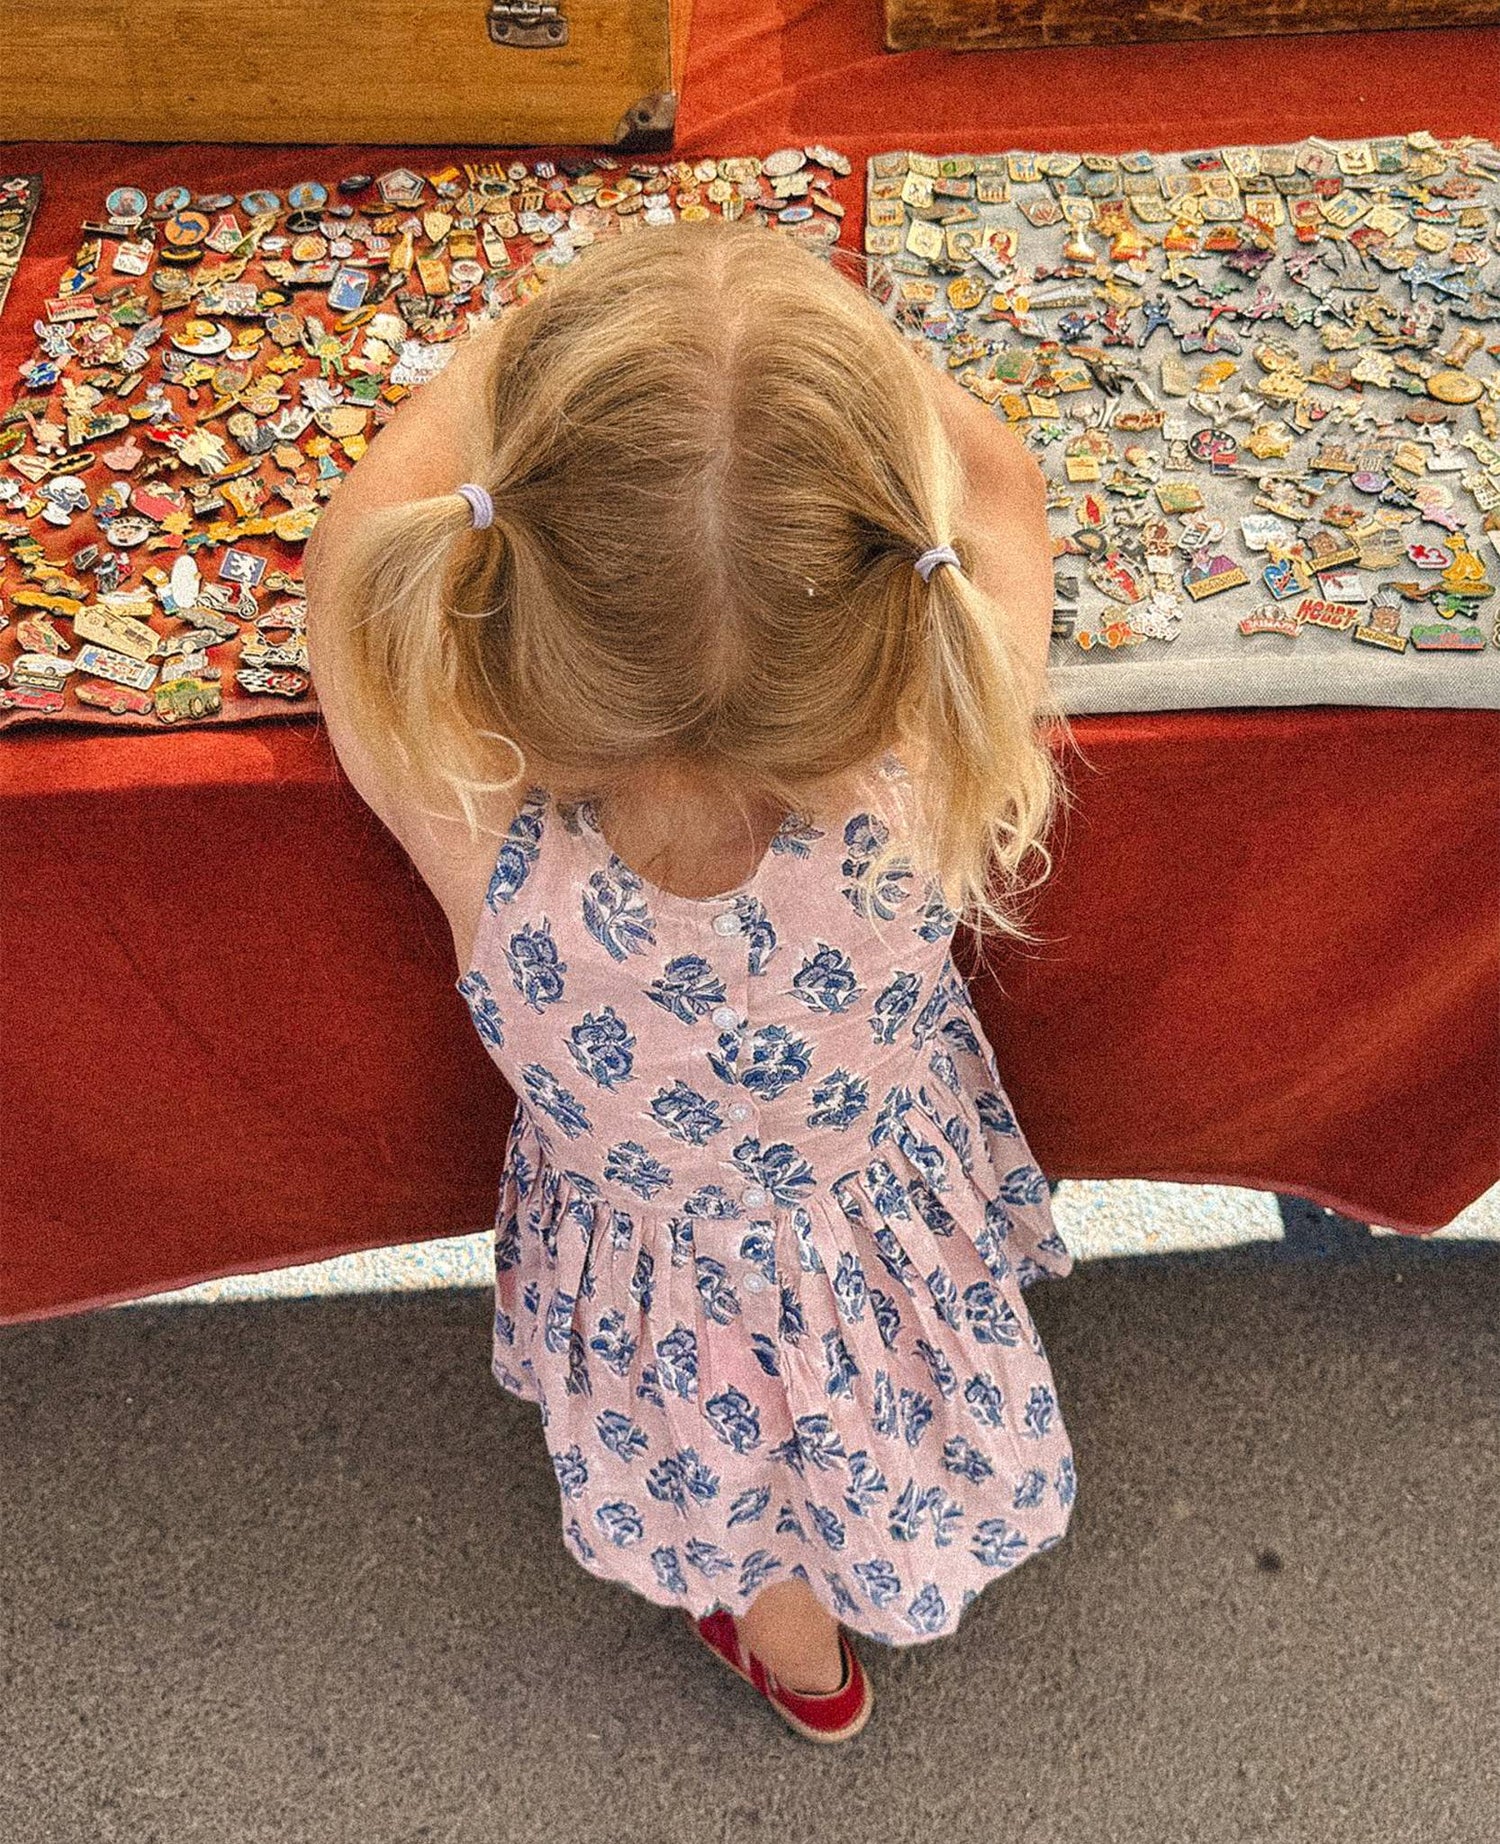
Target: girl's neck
[(686, 838)]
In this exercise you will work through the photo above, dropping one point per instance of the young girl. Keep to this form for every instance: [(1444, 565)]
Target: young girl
[(689, 631)]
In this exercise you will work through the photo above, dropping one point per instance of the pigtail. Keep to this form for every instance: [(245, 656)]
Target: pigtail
[(988, 788), (409, 648)]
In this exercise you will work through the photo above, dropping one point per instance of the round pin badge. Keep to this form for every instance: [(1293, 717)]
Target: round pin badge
[(185, 229), (304, 223), (216, 201), (307, 196), (126, 202), (203, 339), (174, 198), (785, 160), (260, 204), (1454, 387)]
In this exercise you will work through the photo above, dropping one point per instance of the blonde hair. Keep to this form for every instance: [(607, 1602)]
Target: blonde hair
[(713, 466)]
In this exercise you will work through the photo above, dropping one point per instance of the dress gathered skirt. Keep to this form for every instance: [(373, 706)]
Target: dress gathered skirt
[(765, 1221)]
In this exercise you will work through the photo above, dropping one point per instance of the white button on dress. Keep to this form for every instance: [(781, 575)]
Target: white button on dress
[(755, 1196), (727, 924), (726, 1016), (738, 1111)]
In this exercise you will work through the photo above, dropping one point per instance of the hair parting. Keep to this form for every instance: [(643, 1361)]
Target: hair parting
[(712, 466)]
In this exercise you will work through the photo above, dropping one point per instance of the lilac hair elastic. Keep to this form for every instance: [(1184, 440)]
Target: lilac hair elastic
[(481, 506), (930, 560)]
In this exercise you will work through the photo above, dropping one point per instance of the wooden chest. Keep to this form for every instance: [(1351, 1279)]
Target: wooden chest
[(997, 25), (498, 73)]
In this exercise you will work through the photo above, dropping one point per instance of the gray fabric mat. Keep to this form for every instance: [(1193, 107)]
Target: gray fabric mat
[(1209, 663)]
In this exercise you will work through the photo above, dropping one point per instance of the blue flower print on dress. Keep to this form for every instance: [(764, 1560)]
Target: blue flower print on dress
[(991, 1317), (720, 1301), (937, 921), (680, 1477), (613, 1344), (995, 1114), (998, 1544), (839, 1100), (755, 926), (757, 1569), (838, 1382), (750, 1505), (818, 1441), (1029, 1489), (621, 1436), (688, 988), (879, 1580), (669, 1575), (759, 1249), (686, 1114), (777, 1167), (572, 1471), (535, 967), (763, 1350), (850, 1289), (735, 1419), (630, 1164), (827, 1524), (1040, 1406), (620, 1522), (708, 1558), (864, 835), (986, 1401), (615, 912), (778, 1058), (518, 852), (788, 1523), (677, 1362), (483, 1009), (964, 1458), (601, 1046), (544, 1089), (839, 1366), (866, 1484), (892, 1004), (928, 1613), (944, 1376), (1024, 1184), (825, 981), (795, 837)]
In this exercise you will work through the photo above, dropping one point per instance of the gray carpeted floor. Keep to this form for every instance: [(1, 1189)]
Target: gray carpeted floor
[(292, 1572)]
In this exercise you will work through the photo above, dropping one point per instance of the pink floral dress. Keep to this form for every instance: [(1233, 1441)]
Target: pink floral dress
[(764, 1224)]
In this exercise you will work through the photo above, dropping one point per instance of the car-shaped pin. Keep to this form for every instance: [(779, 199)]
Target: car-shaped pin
[(187, 697), (115, 698), (31, 698)]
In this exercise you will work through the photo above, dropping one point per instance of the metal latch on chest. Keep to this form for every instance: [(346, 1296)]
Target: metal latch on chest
[(530, 25)]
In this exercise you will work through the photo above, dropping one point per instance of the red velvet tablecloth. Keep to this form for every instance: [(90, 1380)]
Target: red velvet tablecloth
[(228, 1034)]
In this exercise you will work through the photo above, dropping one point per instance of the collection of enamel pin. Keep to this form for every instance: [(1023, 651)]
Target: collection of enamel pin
[(1302, 335), (1309, 328), (209, 367)]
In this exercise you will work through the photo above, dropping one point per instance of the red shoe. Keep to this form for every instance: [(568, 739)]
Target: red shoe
[(822, 1716)]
